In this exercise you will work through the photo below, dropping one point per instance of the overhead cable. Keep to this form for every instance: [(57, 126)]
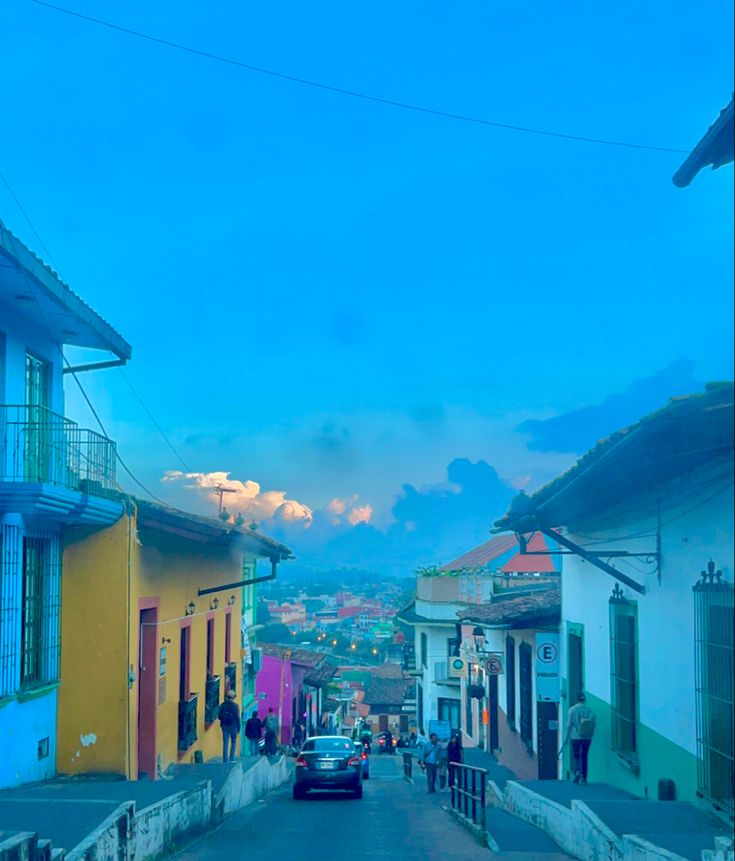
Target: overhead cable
[(343, 91)]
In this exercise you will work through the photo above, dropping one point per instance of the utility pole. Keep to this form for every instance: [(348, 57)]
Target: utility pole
[(222, 490)]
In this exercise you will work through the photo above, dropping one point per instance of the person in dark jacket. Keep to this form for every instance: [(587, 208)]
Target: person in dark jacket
[(229, 720), (253, 730), (455, 753)]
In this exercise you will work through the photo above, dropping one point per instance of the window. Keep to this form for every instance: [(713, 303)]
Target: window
[(448, 709), (228, 637), (623, 675), (210, 647), (184, 663), (510, 680), (575, 666), (526, 694), (39, 618), (424, 650), (713, 608)]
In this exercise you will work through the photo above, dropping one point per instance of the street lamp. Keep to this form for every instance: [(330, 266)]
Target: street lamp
[(478, 635)]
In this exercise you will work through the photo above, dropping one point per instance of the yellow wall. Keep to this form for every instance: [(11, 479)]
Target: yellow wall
[(173, 569), (98, 710), (93, 694)]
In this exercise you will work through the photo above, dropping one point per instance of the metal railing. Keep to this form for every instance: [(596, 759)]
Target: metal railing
[(187, 722), (40, 446), (211, 700), (408, 766), (469, 793)]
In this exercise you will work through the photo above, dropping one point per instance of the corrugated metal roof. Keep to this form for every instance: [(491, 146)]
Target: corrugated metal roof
[(503, 554), (36, 275)]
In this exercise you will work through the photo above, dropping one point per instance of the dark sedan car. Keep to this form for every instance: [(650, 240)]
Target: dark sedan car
[(328, 762)]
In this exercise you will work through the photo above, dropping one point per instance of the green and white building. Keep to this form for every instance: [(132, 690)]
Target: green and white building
[(646, 519)]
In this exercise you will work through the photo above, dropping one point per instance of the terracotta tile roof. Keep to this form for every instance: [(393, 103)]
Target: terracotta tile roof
[(304, 657), (518, 611), (715, 148), (524, 564), (502, 554)]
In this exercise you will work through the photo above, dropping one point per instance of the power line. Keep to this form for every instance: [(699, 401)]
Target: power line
[(155, 423), (59, 347), (261, 70), (27, 218)]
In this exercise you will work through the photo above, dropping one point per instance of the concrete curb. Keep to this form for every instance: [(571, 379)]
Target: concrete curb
[(482, 836), (157, 830)]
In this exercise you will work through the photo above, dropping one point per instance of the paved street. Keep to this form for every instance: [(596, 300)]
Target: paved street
[(393, 820)]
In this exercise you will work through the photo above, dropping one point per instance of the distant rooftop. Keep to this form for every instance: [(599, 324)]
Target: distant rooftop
[(503, 555)]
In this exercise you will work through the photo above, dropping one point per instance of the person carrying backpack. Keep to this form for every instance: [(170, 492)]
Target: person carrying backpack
[(229, 720), (581, 723)]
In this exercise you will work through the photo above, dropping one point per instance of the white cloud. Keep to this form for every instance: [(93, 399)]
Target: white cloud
[(244, 497)]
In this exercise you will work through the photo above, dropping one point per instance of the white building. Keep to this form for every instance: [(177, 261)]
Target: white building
[(441, 594), (647, 597)]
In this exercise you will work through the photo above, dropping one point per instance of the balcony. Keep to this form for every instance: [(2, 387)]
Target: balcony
[(187, 723), (49, 465), (211, 700)]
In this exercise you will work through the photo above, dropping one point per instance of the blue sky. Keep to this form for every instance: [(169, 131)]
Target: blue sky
[(334, 298)]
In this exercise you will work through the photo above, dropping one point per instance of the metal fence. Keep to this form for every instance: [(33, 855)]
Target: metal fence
[(37, 445), (408, 766), (469, 793)]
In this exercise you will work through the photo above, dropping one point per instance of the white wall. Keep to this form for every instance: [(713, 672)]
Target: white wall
[(436, 651), (697, 529)]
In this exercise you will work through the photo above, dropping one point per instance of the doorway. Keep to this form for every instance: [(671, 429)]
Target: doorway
[(147, 692), (575, 665), (547, 735)]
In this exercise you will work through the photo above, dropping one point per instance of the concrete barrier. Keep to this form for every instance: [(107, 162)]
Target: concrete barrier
[(551, 817), (110, 841), (242, 787), (637, 849), (20, 846), (161, 826)]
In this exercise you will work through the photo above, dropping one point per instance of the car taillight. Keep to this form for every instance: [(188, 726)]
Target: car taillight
[(364, 756), (353, 760), (301, 762), (382, 741), (394, 742)]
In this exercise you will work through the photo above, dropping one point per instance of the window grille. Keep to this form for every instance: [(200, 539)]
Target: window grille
[(510, 680), (713, 633), (525, 679), (424, 650), (623, 674), (10, 597), (40, 610)]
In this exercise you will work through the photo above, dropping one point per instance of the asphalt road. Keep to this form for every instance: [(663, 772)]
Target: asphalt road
[(393, 820)]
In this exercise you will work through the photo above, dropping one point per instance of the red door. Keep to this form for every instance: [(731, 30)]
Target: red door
[(147, 693)]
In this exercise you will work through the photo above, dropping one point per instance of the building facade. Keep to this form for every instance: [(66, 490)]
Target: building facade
[(53, 474), (647, 598), (153, 639)]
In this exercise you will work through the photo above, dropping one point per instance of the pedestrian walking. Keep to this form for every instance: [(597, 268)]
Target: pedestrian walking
[(430, 759), (253, 731), (581, 723), (298, 735), (271, 733), (420, 741), (455, 753), (229, 721)]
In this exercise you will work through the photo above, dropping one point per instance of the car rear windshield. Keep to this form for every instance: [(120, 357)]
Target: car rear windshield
[(336, 745)]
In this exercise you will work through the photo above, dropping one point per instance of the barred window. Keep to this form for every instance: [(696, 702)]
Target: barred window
[(10, 557), (713, 620), (624, 674), (40, 599)]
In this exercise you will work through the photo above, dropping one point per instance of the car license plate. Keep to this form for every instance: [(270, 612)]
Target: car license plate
[(326, 764)]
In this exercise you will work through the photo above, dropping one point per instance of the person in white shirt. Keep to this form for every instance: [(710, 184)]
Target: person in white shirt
[(581, 723)]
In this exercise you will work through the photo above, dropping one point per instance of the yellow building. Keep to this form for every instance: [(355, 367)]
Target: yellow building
[(153, 637)]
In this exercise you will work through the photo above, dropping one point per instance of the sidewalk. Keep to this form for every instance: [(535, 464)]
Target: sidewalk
[(66, 810)]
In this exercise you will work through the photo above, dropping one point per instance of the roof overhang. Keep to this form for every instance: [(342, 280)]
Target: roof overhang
[(34, 291), (640, 462), (715, 149)]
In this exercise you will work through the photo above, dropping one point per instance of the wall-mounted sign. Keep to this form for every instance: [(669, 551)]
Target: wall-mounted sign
[(494, 664), (162, 662), (547, 667), (458, 668), (161, 691)]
